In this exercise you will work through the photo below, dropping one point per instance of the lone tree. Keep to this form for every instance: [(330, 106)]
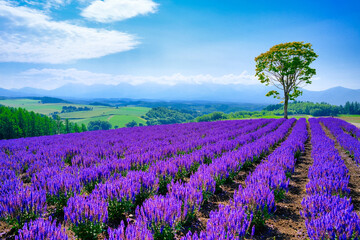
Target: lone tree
[(287, 67)]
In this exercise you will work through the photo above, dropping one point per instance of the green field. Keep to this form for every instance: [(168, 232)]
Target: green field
[(116, 116), (34, 105)]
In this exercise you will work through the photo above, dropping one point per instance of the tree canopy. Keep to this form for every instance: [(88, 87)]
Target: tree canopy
[(18, 122), (99, 125), (162, 115), (131, 124), (287, 67)]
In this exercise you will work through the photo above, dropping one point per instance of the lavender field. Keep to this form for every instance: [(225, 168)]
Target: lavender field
[(215, 180)]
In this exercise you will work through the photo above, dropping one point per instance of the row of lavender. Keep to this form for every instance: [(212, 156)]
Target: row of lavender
[(344, 132), (327, 209), (85, 149), (33, 201), (252, 205)]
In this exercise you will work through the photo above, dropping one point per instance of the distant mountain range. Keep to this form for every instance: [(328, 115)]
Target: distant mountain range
[(185, 92)]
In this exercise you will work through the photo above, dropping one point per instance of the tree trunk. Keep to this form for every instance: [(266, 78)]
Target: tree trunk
[(286, 106)]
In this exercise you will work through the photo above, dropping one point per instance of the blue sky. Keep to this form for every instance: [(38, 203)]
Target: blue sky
[(47, 44)]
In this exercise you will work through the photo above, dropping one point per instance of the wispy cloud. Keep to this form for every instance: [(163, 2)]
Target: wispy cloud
[(32, 36), (46, 4), (53, 78), (117, 10)]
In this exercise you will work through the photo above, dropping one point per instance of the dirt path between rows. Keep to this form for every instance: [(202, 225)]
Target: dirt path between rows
[(287, 223), (354, 172)]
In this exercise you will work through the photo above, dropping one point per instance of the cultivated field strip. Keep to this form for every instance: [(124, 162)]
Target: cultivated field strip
[(276, 173), (327, 209), (346, 135)]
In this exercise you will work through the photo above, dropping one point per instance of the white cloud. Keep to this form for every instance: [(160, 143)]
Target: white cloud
[(117, 10), (47, 4), (32, 36), (53, 78)]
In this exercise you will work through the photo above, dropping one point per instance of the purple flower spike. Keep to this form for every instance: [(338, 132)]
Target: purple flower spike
[(42, 229)]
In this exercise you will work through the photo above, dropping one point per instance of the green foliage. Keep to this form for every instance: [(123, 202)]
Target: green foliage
[(206, 196), (215, 116), (68, 127), (90, 186), (131, 124), (117, 210), (193, 106), (259, 217), (163, 183), (142, 196), (307, 108), (271, 111), (207, 160), (49, 100), (235, 115), (76, 128), (287, 67), (247, 165), (66, 109), (88, 230), (18, 122), (162, 115), (59, 201), (98, 125), (100, 104), (18, 222), (279, 194), (350, 108), (162, 231), (181, 174), (83, 128)]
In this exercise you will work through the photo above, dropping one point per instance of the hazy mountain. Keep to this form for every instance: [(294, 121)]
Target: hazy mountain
[(186, 92), (336, 95), (9, 93)]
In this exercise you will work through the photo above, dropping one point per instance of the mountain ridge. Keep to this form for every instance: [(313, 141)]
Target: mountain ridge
[(185, 92)]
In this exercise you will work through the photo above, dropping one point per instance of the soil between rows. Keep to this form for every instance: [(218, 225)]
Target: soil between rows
[(287, 223)]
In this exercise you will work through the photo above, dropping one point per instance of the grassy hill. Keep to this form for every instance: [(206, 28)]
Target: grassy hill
[(116, 116)]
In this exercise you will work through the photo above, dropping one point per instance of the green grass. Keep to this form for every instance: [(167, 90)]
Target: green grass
[(121, 120), (36, 106), (116, 116)]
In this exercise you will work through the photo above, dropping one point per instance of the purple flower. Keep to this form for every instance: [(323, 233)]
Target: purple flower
[(42, 229)]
